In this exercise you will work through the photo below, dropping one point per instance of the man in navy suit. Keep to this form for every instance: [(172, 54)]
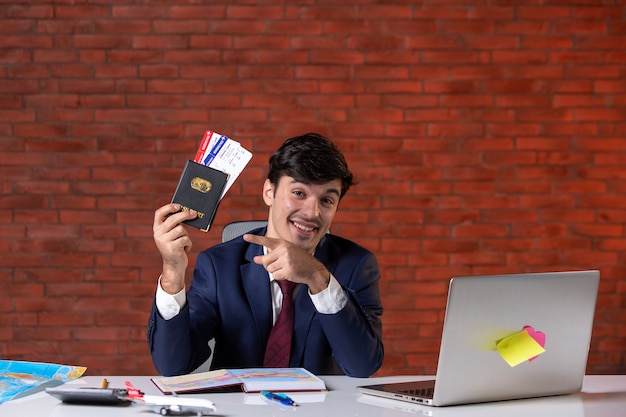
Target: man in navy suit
[(235, 298)]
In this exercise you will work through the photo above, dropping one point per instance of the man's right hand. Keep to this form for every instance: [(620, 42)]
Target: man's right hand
[(173, 243)]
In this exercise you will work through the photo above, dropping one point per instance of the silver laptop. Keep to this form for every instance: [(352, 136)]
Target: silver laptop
[(483, 310)]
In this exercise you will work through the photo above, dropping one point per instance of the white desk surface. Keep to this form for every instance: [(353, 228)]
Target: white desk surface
[(602, 395)]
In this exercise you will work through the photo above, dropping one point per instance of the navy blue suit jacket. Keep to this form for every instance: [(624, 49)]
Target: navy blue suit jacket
[(229, 300)]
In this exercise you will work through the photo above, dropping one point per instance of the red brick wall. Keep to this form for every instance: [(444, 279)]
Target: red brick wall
[(488, 137)]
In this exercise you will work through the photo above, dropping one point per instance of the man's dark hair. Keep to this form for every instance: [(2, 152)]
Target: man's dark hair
[(310, 159)]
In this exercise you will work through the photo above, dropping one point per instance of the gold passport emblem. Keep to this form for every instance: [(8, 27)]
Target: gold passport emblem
[(200, 184)]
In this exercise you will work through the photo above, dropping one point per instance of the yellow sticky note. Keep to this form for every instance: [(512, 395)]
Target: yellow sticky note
[(518, 348)]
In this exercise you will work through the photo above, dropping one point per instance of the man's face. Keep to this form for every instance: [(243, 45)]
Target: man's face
[(300, 213)]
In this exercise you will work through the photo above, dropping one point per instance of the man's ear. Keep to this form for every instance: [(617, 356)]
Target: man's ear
[(268, 192)]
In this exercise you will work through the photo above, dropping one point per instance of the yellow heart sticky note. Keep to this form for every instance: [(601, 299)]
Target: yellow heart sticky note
[(518, 347)]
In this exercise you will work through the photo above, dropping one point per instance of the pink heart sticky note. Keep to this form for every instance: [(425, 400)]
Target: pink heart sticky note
[(539, 337)]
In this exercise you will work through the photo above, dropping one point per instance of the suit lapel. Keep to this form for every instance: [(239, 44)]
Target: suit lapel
[(323, 253), (255, 283), (305, 310)]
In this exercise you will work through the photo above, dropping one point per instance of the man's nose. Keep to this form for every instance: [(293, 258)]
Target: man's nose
[(311, 208)]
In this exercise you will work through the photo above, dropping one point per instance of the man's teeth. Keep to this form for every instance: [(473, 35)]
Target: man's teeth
[(303, 228)]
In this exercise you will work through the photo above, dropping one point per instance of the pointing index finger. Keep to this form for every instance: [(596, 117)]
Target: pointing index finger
[(261, 240)]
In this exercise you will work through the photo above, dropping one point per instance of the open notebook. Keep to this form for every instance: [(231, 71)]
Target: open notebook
[(487, 351)]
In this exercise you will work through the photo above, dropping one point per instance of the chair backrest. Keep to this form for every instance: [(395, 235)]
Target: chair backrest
[(236, 229)]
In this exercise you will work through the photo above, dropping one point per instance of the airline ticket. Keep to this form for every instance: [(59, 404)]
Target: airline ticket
[(224, 154)]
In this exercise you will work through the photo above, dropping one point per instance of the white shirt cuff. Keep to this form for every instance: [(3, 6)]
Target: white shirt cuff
[(169, 305), (331, 300)]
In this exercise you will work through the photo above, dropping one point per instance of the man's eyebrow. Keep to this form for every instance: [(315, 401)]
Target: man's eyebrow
[(333, 191)]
